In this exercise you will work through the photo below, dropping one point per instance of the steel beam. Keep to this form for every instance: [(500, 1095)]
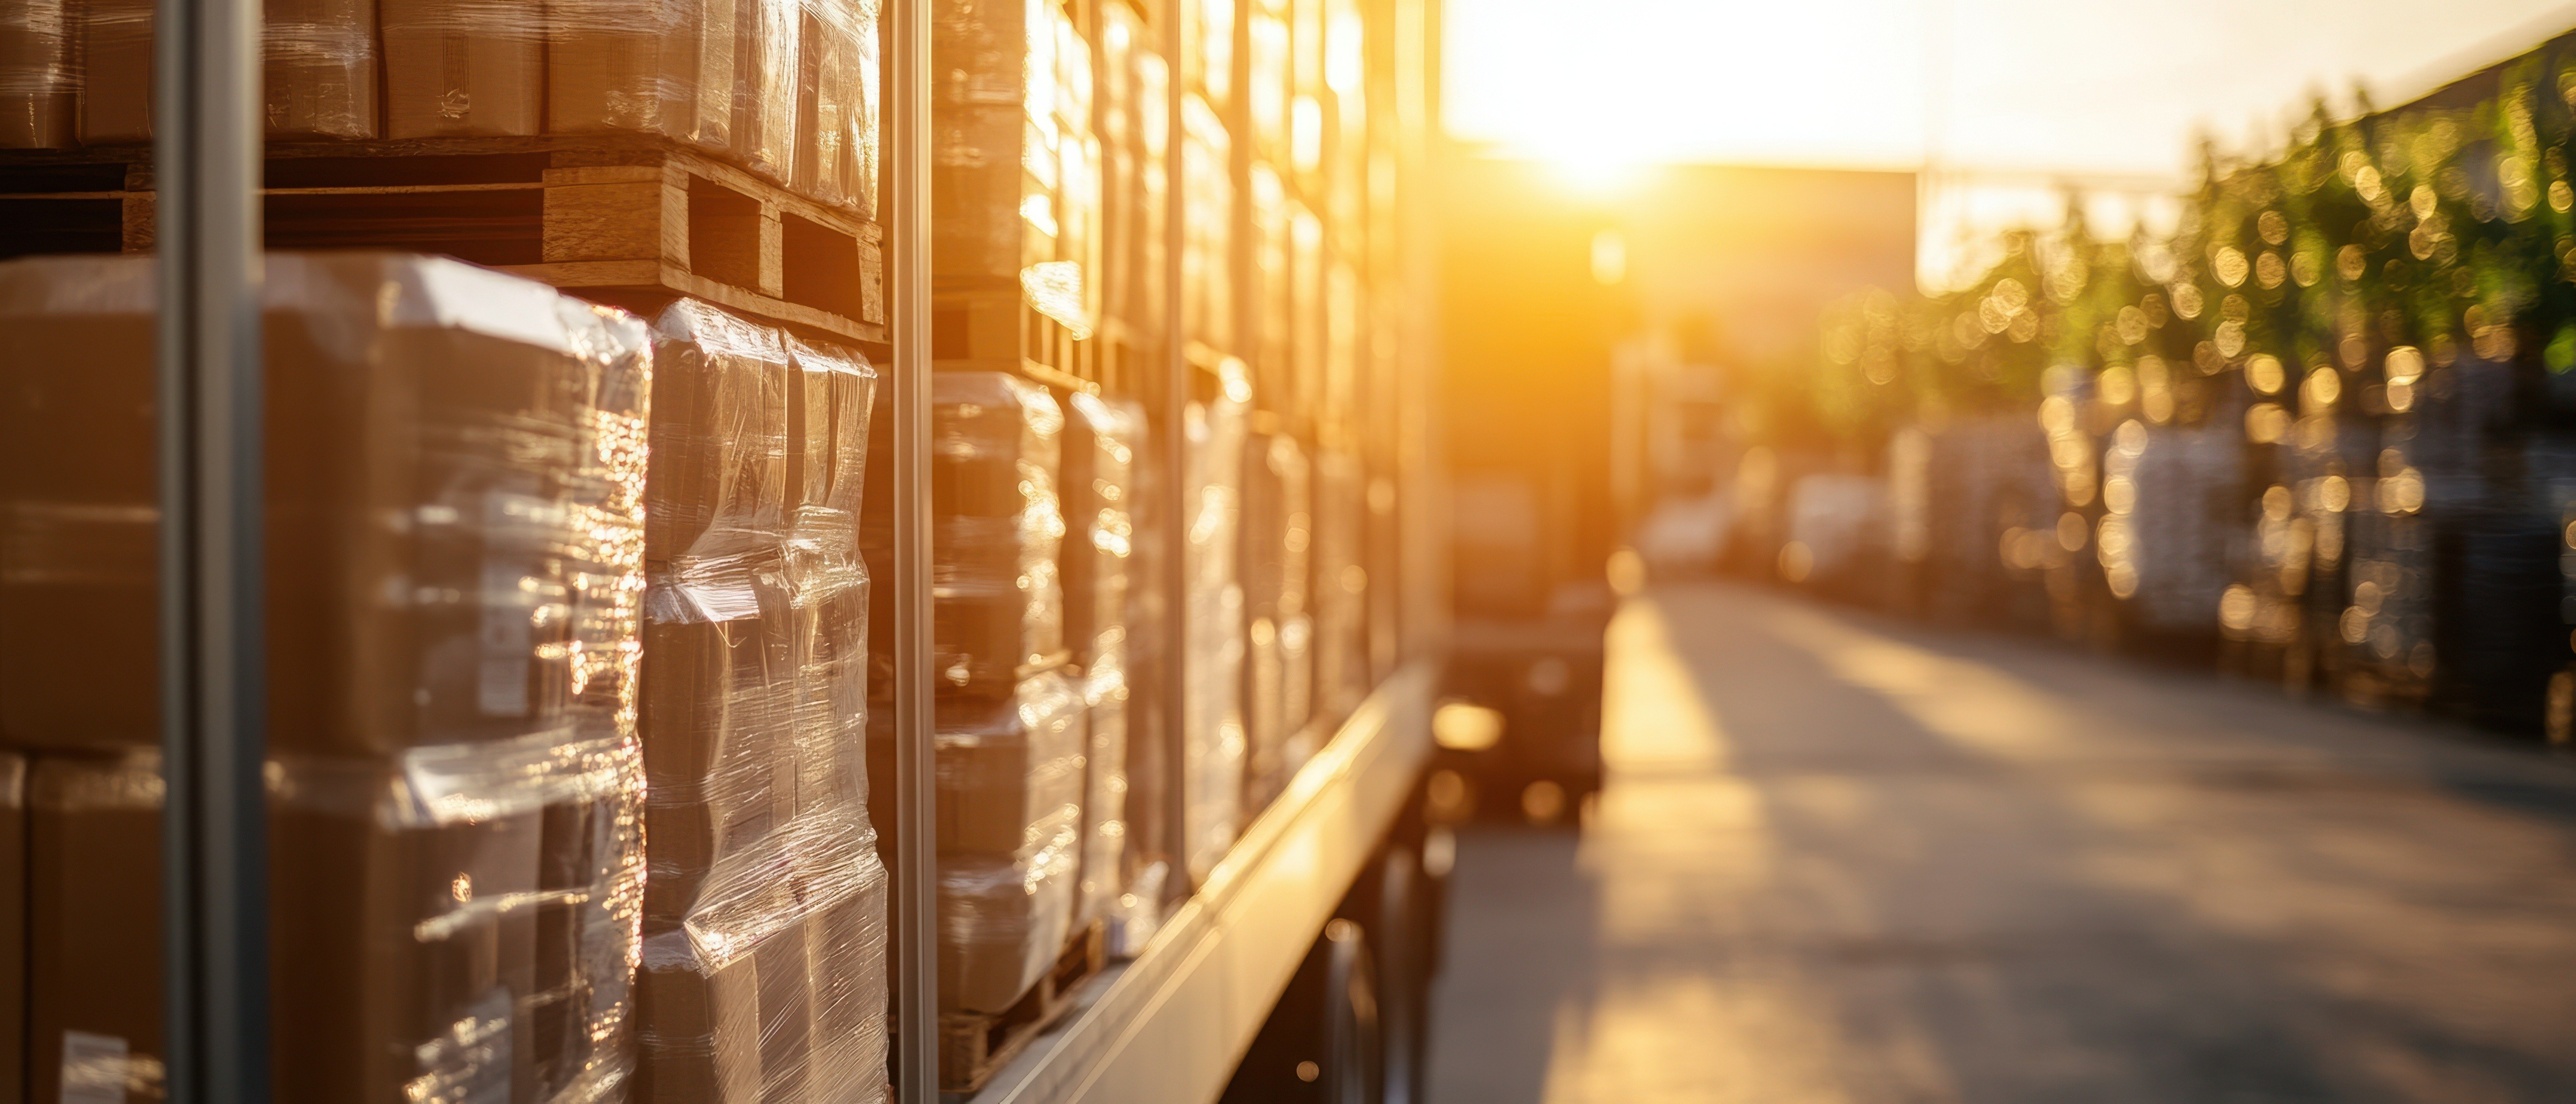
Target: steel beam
[(213, 640), (907, 188)]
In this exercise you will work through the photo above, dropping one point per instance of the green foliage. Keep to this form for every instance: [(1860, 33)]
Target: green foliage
[(2450, 229)]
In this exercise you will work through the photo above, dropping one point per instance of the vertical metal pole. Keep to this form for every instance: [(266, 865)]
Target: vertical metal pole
[(916, 979), (214, 726), (1176, 462)]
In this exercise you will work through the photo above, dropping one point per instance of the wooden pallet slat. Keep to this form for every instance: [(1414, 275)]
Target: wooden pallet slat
[(974, 1046), (626, 219)]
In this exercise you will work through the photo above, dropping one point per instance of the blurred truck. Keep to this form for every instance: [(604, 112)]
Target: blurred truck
[(1529, 318)]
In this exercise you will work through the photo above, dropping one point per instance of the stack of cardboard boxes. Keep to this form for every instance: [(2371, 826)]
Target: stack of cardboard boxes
[(1099, 499), (455, 524), (472, 685), (1213, 745), (764, 920), (1011, 755), (1279, 669), (787, 88), (1015, 185)]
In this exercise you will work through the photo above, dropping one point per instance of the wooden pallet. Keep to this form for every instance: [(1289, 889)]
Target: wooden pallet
[(628, 219), (974, 1046), (986, 324)]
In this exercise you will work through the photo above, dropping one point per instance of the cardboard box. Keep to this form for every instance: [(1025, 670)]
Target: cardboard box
[(836, 126), (719, 758), (656, 66), (847, 958), (39, 101), (405, 960), (319, 70), (463, 67), (1102, 439), (94, 927), (504, 610), (1104, 801), (690, 1025), (768, 64), (797, 1013), (1011, 772), (13, 923), (741, 1033), (115, 52), (1001, 926), (834, 396), (719, 433)]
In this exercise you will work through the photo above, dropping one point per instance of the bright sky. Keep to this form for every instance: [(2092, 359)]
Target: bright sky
[(2053, 86)]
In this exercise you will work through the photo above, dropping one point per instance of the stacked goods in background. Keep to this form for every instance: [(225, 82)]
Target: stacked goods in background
[(1015, 189), (1279, 630), (1213, 745), (456, 513), (2324, 433), (1099, 496), (1051, 173), (1011, 726), (764, 940)]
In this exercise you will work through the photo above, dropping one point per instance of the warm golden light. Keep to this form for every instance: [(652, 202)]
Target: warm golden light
[(1459, 726), (1609, 258)]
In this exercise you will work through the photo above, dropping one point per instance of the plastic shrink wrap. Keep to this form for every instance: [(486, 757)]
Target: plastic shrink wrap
[(764, 942), (1015, 187), (39, 92), (455, 463), (1010, 756), (1010, 838), (1100, 457), (999, 599), (1135, 130), (1278, 547), (1212, 722), (13, 919), (1341, 585), (320, 69), (1207, 219), (787, 88)]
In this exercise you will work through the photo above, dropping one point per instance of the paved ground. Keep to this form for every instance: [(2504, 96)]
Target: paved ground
[(1845, 860)]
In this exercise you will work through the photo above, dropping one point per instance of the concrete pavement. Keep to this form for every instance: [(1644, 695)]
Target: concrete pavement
[(1843, 860)]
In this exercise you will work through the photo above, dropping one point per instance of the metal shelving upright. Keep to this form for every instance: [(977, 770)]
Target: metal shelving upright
[(213, 642)]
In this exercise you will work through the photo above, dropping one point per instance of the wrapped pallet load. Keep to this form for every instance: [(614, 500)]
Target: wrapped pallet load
[(1014, 183), (1011, 728), (1212, 719), (1341, 585), (763, 933), (1010, 838), (1277, 558), (1208, 307), (1099, 480), (455, 517)]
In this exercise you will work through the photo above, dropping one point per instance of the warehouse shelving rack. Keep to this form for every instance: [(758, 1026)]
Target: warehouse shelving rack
[(1169, 1024)]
